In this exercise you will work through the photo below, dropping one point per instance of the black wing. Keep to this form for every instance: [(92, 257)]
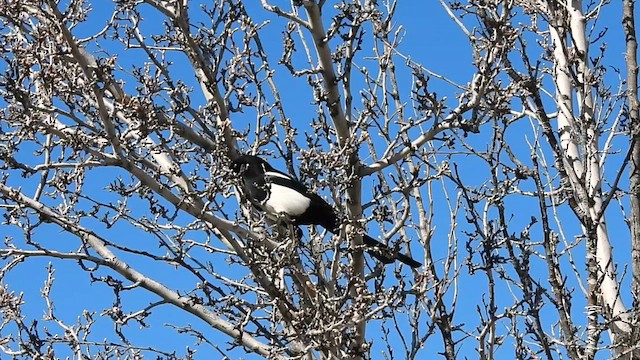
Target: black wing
[(282, 179)]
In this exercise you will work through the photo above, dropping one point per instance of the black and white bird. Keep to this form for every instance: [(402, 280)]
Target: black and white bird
[(276, 193)]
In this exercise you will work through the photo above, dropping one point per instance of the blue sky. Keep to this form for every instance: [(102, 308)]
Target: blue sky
[(432, 39)]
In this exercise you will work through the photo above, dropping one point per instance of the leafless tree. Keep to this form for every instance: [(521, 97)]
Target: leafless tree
[(120, 121)]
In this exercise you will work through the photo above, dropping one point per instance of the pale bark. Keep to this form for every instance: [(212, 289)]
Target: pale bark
[(589, 197)]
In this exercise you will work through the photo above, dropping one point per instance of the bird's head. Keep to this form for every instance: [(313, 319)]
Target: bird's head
[(249, 165)]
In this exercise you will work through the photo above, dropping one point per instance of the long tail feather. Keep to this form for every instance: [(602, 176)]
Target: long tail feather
[(386, 254)]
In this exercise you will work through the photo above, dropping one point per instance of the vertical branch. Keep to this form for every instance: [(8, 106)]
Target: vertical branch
[(629, 26), (608, 287), (570, 155), (321, 43), (334, 105), (628, 23), (562, 298), (580, 153)]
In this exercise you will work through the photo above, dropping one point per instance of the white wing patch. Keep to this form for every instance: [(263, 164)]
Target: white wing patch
[(285, 200), (277, 174)]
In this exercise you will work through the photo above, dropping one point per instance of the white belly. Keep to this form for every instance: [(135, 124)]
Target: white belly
[(285, 200)]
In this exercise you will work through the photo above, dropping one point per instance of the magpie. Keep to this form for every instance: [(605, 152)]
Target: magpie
[(276, 193)]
